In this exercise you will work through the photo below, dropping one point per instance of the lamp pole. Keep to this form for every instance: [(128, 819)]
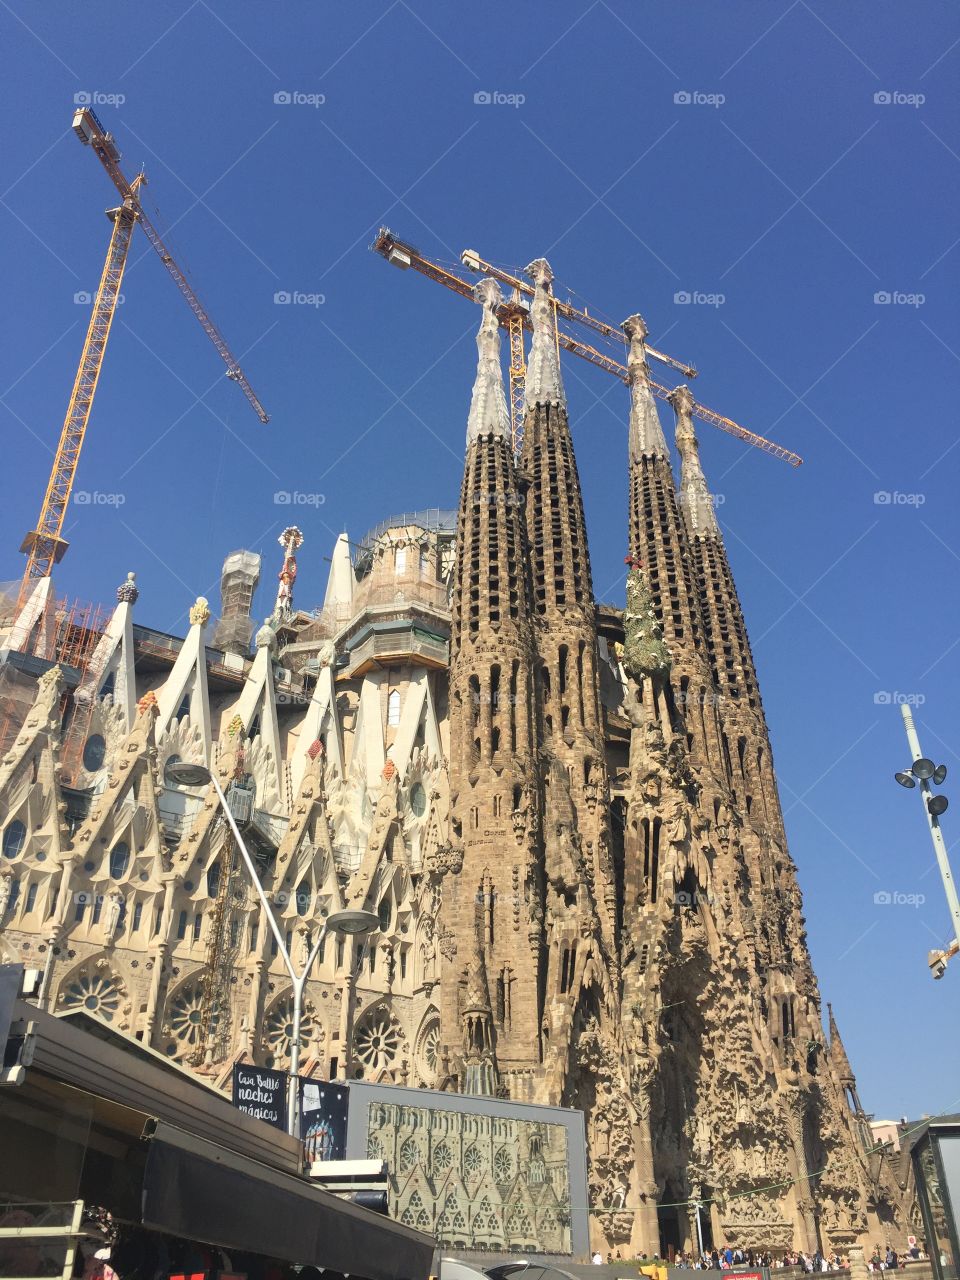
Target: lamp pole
[(351, 922), (933, 821)]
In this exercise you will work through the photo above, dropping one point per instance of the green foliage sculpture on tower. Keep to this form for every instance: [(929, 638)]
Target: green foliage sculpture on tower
[(644, 650)]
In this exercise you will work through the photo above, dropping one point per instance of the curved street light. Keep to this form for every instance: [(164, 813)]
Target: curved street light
[(350, 923), (925, 771)]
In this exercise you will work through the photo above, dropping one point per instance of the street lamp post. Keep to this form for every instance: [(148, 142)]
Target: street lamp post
[(345, 922), (922, 770)]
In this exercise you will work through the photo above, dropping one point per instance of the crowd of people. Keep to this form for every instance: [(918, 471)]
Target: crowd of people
[(730, 1256)]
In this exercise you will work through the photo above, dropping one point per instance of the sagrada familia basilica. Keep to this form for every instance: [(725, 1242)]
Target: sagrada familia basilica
[(564, 814)]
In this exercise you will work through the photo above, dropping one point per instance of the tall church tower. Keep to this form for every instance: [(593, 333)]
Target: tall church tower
[(492, 912), (581, 888)]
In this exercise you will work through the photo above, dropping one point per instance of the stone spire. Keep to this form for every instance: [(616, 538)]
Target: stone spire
[(646, 433), (488, 407), (543, 384), (838, 1054), (696, 501)]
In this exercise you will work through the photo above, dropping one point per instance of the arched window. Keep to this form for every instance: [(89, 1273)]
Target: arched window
[(304, 897), (119, 860), (182, 926), (400, 560), (383, 911), (14, 838), (94, 752), (213, 879), (393, 708), (418, 799)]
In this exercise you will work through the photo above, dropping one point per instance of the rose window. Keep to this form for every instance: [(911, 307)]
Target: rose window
[(503, 1165), (442, 1158), (98, 993), (186, 1015), (278, 1031), (430, 1049), (472, 1160), (374, 1148), (376, 1041), (409, 1156)]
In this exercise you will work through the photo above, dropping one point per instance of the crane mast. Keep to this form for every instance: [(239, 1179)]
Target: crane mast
[(45, 545)]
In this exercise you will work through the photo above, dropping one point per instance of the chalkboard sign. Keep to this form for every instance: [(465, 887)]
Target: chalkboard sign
[(261, 1093)]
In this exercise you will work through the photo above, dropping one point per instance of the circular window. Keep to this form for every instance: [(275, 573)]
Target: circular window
[(119, 860), (97, 992), (94, 751), (418, 799), (14, 838), (89, 866)]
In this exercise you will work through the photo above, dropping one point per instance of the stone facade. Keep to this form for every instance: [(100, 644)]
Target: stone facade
[(566, 818)]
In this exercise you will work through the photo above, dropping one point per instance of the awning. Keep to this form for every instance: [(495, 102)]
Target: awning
[(100, 1121), (198, 1191)]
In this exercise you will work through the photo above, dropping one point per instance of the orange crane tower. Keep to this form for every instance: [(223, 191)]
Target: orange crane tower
[(45, 545), (513, 315)]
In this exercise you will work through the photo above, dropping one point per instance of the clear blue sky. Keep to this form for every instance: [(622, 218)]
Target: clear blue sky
[(798, 198)]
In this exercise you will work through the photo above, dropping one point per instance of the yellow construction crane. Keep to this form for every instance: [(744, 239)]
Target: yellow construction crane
[(45, 545), (514, 316)]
